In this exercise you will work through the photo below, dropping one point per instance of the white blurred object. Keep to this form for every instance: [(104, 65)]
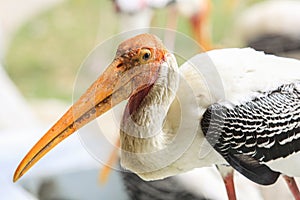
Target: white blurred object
[(66, 164), (272, 26), (134, 14), (189, 8), (1, 43), (133, 6), (15, 112), (9, 191), (272, 16), (134, 21)]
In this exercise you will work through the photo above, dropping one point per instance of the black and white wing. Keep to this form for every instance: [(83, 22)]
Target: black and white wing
[(253, 134)]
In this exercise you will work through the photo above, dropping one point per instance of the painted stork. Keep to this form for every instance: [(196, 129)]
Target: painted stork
[(248, 110)]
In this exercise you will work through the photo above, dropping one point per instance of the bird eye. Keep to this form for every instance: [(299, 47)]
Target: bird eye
[(145, 54)]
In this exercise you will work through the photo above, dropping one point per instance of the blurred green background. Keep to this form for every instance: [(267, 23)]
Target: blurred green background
[(46, 52)]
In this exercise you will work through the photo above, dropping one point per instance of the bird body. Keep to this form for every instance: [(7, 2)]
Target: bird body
[(244, 73), (261, 109), (170, 121)]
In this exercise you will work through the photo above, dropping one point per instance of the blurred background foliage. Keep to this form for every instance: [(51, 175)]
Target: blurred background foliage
[(47, 51)]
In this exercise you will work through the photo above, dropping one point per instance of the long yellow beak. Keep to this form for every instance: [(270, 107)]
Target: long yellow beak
[(103, 94)]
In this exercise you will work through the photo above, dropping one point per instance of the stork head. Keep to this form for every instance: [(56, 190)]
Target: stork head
[(135, 68)]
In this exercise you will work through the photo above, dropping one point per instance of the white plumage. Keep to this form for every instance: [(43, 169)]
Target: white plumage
[(243, 73)]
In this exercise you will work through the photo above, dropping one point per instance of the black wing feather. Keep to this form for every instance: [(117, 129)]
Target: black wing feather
[(255, 132)]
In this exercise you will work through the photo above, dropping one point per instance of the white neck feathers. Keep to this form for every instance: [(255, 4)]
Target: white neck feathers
[(142, 131)]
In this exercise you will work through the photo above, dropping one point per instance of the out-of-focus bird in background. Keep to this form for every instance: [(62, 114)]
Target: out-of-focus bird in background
[(136, 14), (272, 26)]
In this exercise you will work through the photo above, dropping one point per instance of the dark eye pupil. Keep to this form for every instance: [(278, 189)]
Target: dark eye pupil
[(146, 56)]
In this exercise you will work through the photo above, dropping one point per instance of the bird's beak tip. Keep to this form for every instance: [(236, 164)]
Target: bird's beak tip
[(17, 175), (15, 178)]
